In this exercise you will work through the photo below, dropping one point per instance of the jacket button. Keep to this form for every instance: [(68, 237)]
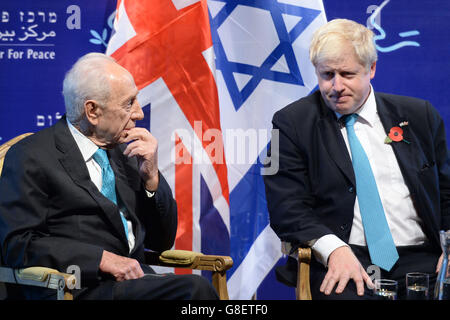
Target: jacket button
[(350, 189), (343, 227)]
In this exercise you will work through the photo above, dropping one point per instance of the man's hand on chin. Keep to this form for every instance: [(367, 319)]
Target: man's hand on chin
[(144, 146)]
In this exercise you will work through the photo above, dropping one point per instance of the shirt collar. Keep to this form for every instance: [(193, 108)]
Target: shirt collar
[(368, 111), (86, 146)]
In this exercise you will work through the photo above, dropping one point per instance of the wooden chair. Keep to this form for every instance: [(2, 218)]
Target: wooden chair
[(64, 283)]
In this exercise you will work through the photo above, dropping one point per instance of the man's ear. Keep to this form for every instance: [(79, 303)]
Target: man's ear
[(92, 111), (373, 68)]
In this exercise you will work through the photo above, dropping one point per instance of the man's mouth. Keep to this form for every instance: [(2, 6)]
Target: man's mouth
[(125, 130), (339, 99)]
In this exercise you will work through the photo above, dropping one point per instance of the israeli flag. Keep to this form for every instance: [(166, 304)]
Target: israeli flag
[(262, 64)]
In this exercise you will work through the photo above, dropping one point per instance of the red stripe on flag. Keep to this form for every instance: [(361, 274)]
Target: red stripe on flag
[(183, 196), (169, 44)]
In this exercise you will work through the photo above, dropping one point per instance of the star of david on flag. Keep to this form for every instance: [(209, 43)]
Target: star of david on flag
[(213, 73)]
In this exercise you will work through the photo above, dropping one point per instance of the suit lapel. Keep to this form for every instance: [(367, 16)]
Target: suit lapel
[(72, 161), (406, 153), (127, 186), (122, 185), (330, 131), (126, 194)]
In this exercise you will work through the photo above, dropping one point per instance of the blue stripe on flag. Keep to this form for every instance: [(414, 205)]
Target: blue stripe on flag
[(248, 213), (145, 123), (214, 239)]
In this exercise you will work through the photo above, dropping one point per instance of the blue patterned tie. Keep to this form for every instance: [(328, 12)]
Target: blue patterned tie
[(108, 181), (382, 249)]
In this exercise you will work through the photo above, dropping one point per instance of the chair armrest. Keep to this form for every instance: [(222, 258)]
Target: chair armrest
[(41, 277), (190, 260), (194, 260), (42, 273)]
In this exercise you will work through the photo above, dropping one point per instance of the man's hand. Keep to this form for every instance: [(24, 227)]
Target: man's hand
[(145, 147), (343, 266), (122, 268)]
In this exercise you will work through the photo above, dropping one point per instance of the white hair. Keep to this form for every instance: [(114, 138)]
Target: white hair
[(86, 80)]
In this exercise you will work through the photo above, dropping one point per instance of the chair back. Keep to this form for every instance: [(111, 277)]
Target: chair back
[(5, 147)]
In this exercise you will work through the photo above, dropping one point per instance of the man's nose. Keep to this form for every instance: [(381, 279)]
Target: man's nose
[(138, 114), (338, 83)]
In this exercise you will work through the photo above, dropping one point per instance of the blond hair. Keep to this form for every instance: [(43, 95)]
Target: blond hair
[(330, 38)]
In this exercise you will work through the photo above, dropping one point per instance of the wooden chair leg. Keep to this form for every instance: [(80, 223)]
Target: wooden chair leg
[(68, 295), (219, 281), (303, 289)]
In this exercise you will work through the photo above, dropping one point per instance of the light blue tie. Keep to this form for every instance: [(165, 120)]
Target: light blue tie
[(108, 181), (382, 250)]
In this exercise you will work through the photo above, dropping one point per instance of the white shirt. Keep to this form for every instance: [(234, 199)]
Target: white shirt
[(87, 149), (401, 215)]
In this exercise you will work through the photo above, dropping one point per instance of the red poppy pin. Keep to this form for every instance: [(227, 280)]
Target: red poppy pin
[(396, 133)]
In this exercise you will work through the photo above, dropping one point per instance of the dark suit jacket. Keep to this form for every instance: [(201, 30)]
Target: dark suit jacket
[(51, 213), (313, 193)]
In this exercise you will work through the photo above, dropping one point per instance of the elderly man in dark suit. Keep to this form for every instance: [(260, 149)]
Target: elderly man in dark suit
[(363, 177), (87, 192)]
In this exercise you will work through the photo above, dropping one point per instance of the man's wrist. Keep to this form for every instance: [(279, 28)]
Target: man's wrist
[(324, 246), (151, 184)]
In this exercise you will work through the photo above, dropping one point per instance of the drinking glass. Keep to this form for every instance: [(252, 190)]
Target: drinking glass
[(385, 289), (417, 286)]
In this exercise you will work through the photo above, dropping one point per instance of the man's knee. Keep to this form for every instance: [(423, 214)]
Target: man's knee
[(200, 288)]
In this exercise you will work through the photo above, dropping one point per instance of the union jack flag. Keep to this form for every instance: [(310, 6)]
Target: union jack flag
[(214, 72)]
